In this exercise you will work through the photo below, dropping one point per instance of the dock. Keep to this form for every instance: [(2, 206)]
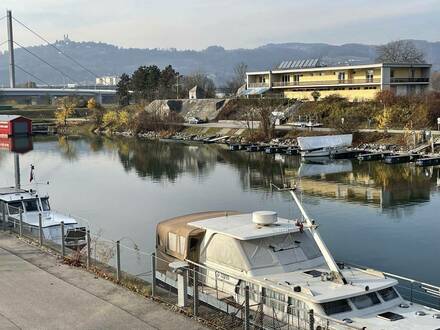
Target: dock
[(374, 155), (428, 161), (400, 158)]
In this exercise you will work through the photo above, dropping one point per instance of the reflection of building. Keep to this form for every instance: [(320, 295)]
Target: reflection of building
[(107, 80), (299, 79)]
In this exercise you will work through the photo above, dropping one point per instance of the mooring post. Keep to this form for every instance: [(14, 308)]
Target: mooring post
[(182, 288), (88, 249), (3, 215), (118, 261), (63, 243), (246, 323), (20, 224), (40, 229), (196, 292), (153, 270), (311, 320)]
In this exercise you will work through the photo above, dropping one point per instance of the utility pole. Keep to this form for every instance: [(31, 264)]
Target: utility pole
[(10, 49)]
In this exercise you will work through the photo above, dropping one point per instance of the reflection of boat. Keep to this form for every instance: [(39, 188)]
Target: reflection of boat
[(288, 270), (324, 146), (315, 168)]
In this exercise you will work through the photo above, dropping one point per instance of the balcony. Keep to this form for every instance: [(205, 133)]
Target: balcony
[(325, 82), (258, 85), (409, 80)]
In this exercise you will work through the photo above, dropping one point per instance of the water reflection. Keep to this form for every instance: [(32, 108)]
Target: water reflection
[(371, 183)]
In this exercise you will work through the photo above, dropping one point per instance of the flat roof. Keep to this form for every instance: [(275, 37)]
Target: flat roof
[(343, 67), (241, 227)]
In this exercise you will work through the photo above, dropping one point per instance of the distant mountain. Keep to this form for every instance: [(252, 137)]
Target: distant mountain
[(105, 59)]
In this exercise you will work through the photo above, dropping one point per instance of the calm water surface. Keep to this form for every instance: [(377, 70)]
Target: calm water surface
[(382, 216)]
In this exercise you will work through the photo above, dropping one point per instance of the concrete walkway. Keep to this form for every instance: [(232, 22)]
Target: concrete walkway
[(38, 292)]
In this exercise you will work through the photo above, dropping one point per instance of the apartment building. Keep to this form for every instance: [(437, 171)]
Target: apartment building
[(299, 79)]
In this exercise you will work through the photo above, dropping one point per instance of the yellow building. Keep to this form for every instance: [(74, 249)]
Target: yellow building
[(299, 79)]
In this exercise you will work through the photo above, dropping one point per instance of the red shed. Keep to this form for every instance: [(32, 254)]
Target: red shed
[(12, 125)]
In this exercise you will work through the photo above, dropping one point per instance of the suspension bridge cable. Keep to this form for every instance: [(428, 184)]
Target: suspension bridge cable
[(32, 75), (2, 43), (56, 48), (44, 61)]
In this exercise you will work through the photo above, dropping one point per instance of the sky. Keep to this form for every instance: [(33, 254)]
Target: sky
[(197, 24)]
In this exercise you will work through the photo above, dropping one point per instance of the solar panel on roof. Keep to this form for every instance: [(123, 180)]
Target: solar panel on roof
[(307, 63), (285, 64), (301, 64), (289, 64), (294, 64), (315, 62)]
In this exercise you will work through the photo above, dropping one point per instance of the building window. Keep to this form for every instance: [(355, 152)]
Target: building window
[(392, 73), (370, 75), (296, 78), (285, 78), (341, 76)]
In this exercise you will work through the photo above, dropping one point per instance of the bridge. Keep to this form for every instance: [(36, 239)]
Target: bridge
[(46, 92), (37, 95)]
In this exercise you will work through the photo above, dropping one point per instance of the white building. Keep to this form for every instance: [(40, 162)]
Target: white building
[(107, 80)]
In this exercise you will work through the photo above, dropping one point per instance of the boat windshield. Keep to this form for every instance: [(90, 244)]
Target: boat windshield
[(388, 294), (45, 204), (281, 250), (31, 205), (366, 300), (336, 307), (14, 207)]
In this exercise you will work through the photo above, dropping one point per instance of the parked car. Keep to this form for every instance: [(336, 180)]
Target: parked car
[(195, 120)]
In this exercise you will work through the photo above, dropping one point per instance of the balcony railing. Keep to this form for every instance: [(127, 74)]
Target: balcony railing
[(325, 82), (409, 80), (258, 85)]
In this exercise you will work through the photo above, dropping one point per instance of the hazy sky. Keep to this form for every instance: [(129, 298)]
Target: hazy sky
[(197, 24)]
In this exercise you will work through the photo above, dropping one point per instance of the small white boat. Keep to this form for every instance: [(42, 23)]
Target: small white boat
[(31, 206), (289, 271)]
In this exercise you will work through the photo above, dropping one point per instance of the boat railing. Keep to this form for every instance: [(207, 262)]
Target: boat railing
[(410, 289), (272, 310)]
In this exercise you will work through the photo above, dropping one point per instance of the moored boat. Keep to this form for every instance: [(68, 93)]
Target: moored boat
[(288, 270)]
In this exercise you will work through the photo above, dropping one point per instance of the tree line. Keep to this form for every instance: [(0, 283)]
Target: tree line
[(149, 83)]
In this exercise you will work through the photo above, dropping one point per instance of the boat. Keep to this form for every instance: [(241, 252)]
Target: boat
[(324, 146), (287, 270), (30, 204)]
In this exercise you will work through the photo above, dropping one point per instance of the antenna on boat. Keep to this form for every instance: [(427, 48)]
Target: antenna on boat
[(312, 227)]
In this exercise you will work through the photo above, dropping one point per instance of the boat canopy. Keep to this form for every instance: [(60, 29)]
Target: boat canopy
[(173, 235), (325, 141)]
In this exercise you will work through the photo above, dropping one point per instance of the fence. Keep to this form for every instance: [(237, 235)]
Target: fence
[(215, 298)]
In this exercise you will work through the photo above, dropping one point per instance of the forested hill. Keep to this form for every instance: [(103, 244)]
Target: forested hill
[(105, 59)]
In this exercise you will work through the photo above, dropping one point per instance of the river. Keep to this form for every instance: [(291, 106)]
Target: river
[(372, 214)]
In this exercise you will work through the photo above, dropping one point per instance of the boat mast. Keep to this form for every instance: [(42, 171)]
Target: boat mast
[(321, 245)]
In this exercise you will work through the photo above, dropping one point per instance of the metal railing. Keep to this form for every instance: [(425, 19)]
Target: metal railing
[(258, 85), (326, 82), (409, 80)]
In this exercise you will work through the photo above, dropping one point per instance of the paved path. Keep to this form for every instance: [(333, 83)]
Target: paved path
[(38, 292)]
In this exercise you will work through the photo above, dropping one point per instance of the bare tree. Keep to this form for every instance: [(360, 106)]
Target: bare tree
[(239, 78), (435, 81), (399, 51)]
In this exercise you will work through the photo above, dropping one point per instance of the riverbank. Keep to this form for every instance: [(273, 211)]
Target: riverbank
[(38, 291)]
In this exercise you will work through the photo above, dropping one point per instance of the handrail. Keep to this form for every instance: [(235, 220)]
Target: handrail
[(325, 82)]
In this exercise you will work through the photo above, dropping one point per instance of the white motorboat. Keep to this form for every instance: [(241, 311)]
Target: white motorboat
[(288, 270), (32, 206)]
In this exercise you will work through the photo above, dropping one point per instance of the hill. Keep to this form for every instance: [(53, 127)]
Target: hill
[(106, 59)]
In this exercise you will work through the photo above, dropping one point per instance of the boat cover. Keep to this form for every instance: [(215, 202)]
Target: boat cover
[(173, 235), (325, 141)]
